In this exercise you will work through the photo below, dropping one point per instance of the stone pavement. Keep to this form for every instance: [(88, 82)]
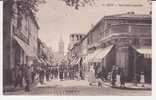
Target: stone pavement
[(79, 88), (65, 83), (85, 83), (130, 86)]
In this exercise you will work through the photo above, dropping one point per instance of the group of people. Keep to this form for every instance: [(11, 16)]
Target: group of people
[(27, 74), (118, 74), (21, 73), (70, 73), (24, 75)]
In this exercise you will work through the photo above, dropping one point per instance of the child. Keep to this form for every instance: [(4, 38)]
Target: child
[(99, 80)]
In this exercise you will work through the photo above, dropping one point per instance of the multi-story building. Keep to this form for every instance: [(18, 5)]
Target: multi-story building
[(20, 33), (61, 47), (74, 38), (123, 40), (45, 53), (74, 51)]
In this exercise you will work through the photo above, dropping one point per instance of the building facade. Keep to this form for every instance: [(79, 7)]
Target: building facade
[(45, 54), (74, 56), (123, 40), (61, 47), (20, 33)]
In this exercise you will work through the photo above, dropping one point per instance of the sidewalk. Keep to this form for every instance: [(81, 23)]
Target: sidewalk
[(65, 83), (10, 88), (130, 86)]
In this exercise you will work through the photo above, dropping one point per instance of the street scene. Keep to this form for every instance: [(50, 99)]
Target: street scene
[(77, 47)]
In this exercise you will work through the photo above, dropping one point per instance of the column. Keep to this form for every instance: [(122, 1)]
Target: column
[(122, 57)]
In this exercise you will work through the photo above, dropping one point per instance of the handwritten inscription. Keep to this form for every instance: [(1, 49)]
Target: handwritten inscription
[(122, 5)]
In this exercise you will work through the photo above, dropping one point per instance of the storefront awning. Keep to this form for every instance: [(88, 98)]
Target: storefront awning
[(39, 60), (75, 61), (43, 61), (102, 52), (26, 48), (90, 56), (48, 62), (147, 52)]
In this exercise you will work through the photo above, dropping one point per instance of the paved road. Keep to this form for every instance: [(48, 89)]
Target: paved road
[(76, 88)]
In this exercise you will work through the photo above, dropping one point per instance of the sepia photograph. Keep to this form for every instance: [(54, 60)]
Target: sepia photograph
[(77, 47)]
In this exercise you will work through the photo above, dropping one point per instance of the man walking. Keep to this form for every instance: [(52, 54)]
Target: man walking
[(27, 74), (113, 75), (122, 78), (17, 76)]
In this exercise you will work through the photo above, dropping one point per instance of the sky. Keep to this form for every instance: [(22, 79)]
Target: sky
[(56, 20)]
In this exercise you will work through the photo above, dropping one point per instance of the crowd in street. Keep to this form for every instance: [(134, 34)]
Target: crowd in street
[(117, 77), (25, 75)]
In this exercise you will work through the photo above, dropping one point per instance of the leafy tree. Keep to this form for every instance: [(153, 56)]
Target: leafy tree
[(24, 5), (79, 3)]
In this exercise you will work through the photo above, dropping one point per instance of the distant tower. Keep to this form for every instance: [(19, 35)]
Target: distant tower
[(61, 47)]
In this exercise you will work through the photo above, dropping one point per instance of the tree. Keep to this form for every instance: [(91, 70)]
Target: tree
[(79, 3), (24, 5)]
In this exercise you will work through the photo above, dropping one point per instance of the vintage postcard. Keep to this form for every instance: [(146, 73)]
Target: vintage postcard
[(77, 47)]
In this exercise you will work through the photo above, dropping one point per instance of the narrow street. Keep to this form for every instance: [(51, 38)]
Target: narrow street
[(77, 88), (80, 48)]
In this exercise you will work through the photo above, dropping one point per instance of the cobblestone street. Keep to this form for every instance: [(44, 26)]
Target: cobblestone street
[(76, 88)]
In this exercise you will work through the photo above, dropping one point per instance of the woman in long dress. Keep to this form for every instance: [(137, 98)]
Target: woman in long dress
[(91, 77)]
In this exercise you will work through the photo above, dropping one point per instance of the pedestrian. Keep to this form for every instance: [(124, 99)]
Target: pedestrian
[(27, 74), (138, 77), (81, 75), (21, 69), (122, 78), (17, 76), (99, 80), (47, 74), (61, 73), (41, 75), (56, 73), (142, 79), (113, 77), (33, 73), (92, 78)]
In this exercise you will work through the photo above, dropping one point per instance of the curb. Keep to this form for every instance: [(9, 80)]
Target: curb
[(127, 88)]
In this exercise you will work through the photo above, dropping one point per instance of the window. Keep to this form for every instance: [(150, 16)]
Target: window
[(147, 42), (119, 28), (19, 22), (135, 42)]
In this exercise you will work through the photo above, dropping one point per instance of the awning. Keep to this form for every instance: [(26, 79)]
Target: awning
[(43, 61), (72, 62), (47, 62), (90, 56), (75, 61), (39, 60), (26, 48), (102, 52), (147, 52), (78, 60)]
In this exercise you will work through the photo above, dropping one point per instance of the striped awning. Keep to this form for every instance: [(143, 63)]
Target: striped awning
[(147, 52), (26, 48), (75, 61), (102, 52)]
